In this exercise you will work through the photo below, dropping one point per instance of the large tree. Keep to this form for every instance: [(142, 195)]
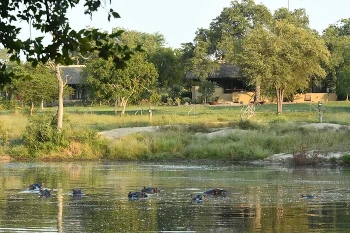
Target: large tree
[(337, 37), (49, 17), (169, 67), (284, 57), (123, 84), (35, 84), (222, 42)]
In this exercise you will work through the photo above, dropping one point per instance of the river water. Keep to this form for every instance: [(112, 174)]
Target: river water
[(260, 198)]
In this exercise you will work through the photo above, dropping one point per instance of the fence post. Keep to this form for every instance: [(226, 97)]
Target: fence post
[(320, 111), (150, 113)]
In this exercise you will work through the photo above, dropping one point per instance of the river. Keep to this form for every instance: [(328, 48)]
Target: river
[(260, 198)]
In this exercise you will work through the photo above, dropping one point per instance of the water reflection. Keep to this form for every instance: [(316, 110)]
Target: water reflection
[(259, 199)]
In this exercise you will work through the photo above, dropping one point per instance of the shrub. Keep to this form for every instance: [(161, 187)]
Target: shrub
[(155, 98), (4, 136), (41, 134), (170, 101), (186, 100), (346, 159), (305, 158)]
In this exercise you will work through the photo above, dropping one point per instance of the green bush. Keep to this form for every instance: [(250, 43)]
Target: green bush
[(41, 134), (346, 159), (4, 136)]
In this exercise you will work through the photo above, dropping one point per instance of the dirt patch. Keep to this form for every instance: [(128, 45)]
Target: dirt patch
[(5, 158), (120, 132)]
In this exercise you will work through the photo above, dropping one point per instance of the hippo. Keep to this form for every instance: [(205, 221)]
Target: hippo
[(77, 192), (216, 192), (35, 187), (137, 195), (308, 196), (198, 198), (45, 193), (150, 190)]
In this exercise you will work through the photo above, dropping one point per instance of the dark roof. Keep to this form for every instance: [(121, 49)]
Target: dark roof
[(72, 74), (226, 71)]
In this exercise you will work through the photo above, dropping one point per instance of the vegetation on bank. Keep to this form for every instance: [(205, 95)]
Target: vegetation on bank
[(184, 135)]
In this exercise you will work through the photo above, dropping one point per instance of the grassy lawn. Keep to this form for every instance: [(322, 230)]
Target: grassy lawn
[(264, 134)]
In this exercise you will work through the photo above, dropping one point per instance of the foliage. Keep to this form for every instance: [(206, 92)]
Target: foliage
[(169, 67), (305, 158), (122, 84), (346, 159), (283, 57), (49, 17), (42, 135), (36, 84), (262, 136), (206, 88), (155, 98), (4, 136), (337, 40)]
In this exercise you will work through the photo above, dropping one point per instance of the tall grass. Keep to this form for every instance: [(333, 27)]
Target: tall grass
[(265, 133)]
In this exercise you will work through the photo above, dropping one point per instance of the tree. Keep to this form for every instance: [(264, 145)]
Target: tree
[(284, 57), (169, 67), (121, 84), (50, 18), (207, 89), (222, 42), (35, 84), (337, 39), (150, 42)]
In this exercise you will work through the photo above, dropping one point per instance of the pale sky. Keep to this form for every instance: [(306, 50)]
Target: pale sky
[(178, 20)]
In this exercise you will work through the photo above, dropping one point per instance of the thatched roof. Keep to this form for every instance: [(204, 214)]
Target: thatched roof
[(225, 71), (72, 74)]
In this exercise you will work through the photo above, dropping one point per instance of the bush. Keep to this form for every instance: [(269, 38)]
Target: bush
[(155, 98), (170, 101), (186, 100), (346, 159), (41, 134), (304, 158), (4, 136)]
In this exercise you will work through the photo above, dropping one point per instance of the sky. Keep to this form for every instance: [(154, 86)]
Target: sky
[(178, 20)]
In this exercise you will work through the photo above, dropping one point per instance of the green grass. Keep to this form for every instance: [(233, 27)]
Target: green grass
[(265, 133)]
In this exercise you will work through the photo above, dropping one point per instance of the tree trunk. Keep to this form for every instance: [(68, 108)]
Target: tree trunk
[(60, 98), (257, 92), (32, 108), (116, 106), (42, 104), (347, 97), (279, 95), (123, 102)]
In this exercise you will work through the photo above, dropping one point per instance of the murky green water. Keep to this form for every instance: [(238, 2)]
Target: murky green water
[(261, 198)]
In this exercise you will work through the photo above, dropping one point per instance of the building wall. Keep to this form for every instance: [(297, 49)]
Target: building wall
[(247, 97), (314, 97)]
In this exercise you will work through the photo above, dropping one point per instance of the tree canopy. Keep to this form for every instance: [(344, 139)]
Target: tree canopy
[(122, 84), (50, 18), (284, 57)]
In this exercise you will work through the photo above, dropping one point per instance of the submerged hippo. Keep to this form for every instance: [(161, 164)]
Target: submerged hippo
[(216, 192), (36, 186), (198, 197), (77, 192), (45, 193), (150, 190), (137, 195), (308, 196)]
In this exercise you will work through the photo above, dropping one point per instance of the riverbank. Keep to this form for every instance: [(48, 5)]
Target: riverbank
[(119, 133), (179, 133)]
